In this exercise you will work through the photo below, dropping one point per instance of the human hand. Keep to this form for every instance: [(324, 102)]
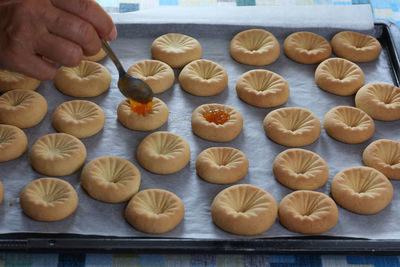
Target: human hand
[(37, 34)]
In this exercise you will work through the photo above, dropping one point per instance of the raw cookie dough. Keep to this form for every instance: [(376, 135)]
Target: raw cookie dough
[(349, 124), (214, 128), (300, 169), (307, 47), (80, 118), (379, 100), (339, 76), (22, 108), (163, 153), (110, 179), (57, 154), (48, 199), (356, 46), (262, 88), (384, 155), (156, 118), (97, 57), (362, 190), (12, 80), (158, 75), (292, 126), (203, 78), (155, 211), (308, 212), (244, 209), (255, 47), (222, 165), (88, 79), (176, 49), (13, 142)]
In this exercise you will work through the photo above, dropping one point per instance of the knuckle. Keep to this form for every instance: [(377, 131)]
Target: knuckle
[(106, 27), (15, 56), (73, 57), (89, 39), (94, 48), (59, 21), (86, 33), (84, 6), (17, 32), (24, 9)]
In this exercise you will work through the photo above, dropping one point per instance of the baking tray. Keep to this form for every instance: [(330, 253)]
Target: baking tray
[(387, 33)]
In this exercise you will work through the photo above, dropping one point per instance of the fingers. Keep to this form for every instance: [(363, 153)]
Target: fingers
[(75, 29), (35, 67), (92, 12), (59, 50), (36, 33), (44, 69)]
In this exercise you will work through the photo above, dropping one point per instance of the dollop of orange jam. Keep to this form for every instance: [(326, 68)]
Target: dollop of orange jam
[(140, 108), (216, 116)]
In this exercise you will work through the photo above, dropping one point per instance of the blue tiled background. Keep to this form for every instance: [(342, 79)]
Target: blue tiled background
[(383, 9), (195, 260)]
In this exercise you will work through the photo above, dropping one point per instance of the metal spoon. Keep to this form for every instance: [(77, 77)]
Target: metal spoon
[(131, 87)]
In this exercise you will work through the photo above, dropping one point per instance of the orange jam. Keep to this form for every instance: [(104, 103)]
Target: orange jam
[(216, 116), (140, 108)]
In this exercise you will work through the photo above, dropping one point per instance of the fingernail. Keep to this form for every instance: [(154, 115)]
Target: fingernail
[(113, 34)]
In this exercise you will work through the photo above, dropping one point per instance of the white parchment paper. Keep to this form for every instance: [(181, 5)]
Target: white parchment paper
[(133, 44)]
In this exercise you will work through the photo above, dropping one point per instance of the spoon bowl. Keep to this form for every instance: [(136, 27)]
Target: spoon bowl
[(141, 92), (131, 87)]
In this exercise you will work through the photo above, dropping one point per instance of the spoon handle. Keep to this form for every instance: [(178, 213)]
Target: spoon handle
[(113, 57)]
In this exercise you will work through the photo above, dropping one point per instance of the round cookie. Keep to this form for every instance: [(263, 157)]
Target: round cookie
[(306, 47), (292, 126), (110, 179), (216, 122), (222, 165), (362, 190), (22, 108), (48, 199), (155, 211), (339, 76), (308, 212), (384, 155), (203, 78), (379, 100), (300, 169), (176, 49), (12, 80), (13, 142), (57, 154), (163, 153), (255, 47), (158, 75), (143, 122), (356, 46), (349, 124), (262, 88), (79, 118), (88, 79), (97, 57), (244, 209)]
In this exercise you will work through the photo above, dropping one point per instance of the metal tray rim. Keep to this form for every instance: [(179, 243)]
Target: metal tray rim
[(39, 242)]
